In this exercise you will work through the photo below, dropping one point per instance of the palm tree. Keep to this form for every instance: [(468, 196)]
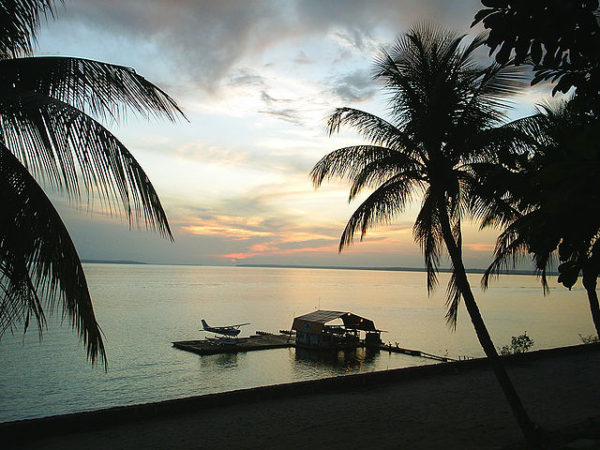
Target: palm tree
[(48, 131), (444, 117), (549, 208)]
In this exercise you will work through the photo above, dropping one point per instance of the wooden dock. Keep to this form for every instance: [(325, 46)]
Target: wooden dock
[(406, 351), (265, 341), (262, 341)]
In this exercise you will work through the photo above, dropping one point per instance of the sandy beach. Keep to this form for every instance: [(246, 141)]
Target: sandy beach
[(459, 409)]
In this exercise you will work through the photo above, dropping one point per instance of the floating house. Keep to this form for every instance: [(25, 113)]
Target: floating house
[(313, 330)]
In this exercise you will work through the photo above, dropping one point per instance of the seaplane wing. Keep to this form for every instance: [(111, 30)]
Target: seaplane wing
[(228, 330)]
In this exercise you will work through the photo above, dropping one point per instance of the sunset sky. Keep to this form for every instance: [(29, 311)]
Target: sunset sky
[(256, 79)]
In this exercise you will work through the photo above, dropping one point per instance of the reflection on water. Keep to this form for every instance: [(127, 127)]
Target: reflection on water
[(223, 361), (339, 361)]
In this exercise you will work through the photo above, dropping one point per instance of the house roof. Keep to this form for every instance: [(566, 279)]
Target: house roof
[(315, 321), (322, 316)]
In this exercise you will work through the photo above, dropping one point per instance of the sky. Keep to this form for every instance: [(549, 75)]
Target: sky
[(256, 81)]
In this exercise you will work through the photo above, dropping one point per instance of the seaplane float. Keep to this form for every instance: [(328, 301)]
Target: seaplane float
[(227, 335)]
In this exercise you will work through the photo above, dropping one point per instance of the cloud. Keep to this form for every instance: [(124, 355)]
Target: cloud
[(268, 65), (287, 115), (480, 247), (259, 227), (206, 38), (364, 16), (301, 58), (290, 115), (270, 250), (263, 230), (235, 233), (202, 40), (245, 77), (357, 86), (199, 151)]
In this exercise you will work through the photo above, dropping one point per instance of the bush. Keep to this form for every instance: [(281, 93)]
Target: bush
[(519, 344)]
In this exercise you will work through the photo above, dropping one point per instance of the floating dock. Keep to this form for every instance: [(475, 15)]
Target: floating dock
[(259, 341), (265, 341), (405, 351)]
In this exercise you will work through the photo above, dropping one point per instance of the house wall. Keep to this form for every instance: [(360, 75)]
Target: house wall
[(312, 340)]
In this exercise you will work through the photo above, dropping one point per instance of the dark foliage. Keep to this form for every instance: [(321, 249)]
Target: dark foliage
[(47, 131), (19, 20), (547, 202), (444, 119), (559, 38), (39, 267)]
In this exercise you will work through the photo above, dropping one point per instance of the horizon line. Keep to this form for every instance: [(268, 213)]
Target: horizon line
[(330, 267)]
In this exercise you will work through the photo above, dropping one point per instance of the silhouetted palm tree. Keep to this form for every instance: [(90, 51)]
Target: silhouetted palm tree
[(47, 130), (444, 116), (549, 206)]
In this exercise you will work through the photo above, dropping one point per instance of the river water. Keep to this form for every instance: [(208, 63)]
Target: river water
[(143, 308)]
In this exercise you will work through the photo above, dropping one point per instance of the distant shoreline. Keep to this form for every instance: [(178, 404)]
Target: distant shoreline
[(110, 261), (386, 269), (299, 266)]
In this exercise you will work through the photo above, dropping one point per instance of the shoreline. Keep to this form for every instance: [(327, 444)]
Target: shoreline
[(90, 422), (471, 270)]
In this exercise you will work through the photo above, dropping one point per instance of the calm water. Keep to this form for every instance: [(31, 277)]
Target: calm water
[(142, 309)]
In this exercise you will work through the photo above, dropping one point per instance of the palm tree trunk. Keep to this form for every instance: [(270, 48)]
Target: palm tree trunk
[(589, 283), (455, 252)]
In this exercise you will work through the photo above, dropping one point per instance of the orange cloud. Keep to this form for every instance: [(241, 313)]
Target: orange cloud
[(231, 232), (267, 250), (236, 256), (480, 247), (259, 248)]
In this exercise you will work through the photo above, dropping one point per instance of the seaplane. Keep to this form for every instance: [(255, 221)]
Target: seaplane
[(228, 332)]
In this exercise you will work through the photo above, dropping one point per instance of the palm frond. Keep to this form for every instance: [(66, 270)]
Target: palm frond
[(520, 239), (408, 95), (485, 95), (349, 162), (466, 56), (427, 233), (494, 145), (376, 130), (495, 194), (542, 260), (453, 296), (510, 247), (381, 206), (97, 88), (381, 170), (39, 264), (19, 22), (445, 117), (501, 81), (19, 302), (533, 126), (63, 145)]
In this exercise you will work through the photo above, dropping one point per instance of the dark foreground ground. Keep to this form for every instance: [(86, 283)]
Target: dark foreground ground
[(460, 407)]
